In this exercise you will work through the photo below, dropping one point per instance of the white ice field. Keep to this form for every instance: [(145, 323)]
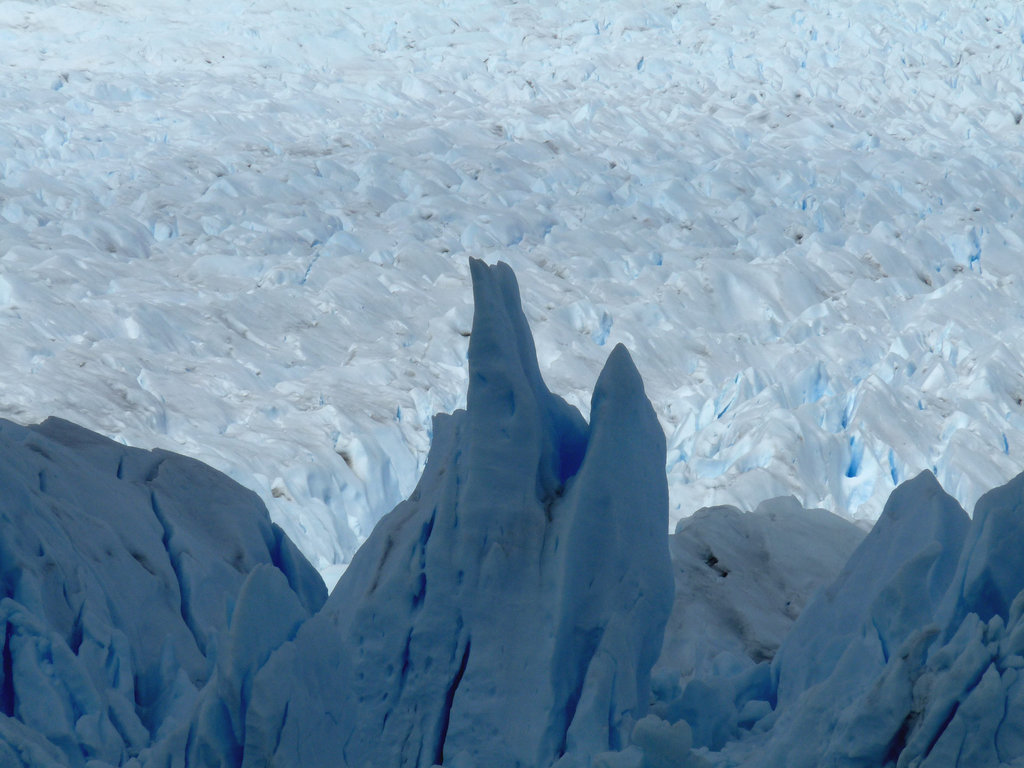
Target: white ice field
[(241, 231)]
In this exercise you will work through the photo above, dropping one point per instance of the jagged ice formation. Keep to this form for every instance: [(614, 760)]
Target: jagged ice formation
[(911, 657), (119, 571), (508, 613)]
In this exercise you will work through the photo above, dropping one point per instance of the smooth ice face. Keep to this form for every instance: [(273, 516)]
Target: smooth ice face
[(509, 612), (892, 584), (990, 576)]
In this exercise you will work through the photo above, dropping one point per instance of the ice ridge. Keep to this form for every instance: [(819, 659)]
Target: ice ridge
[(119, 571), (911, 657), (509, 612)]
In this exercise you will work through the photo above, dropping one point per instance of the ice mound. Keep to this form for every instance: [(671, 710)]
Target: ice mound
[(743, 578), (509, 612), (120, 570)]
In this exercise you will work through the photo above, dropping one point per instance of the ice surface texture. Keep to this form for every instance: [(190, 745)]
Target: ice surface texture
[(508, 613), (123, 572), (912, 657), (242, 234)]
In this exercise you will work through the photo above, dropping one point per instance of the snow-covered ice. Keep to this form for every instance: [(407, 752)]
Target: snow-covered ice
[(242, 234), (741, 580)]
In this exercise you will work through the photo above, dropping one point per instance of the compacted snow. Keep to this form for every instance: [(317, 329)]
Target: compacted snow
[(241, 232)]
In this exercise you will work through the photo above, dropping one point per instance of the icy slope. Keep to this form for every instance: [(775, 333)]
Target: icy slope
[(508, 613), (912, 657), (241, 234), (120, 570)]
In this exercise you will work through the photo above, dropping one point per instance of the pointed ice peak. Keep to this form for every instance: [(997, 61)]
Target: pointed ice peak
[(923, 487), (617, 588), (520, 429), (619, 380), (509, 612), (918, 517), (626, 449), (619, 399), (501, 336), (917, 513)]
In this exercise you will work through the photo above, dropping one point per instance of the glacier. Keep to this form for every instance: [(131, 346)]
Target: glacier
[(124, 576), (525, 606), (243, 235), (509, 612), (910, 657)]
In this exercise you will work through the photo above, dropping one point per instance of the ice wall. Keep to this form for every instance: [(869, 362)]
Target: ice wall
[(509, 612), (119, 571)]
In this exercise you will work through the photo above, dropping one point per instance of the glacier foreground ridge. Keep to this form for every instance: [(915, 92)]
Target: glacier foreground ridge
[(525, 607), (507, 614)]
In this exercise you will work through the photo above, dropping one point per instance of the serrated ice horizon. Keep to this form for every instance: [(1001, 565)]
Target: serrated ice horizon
[(244, 235)]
